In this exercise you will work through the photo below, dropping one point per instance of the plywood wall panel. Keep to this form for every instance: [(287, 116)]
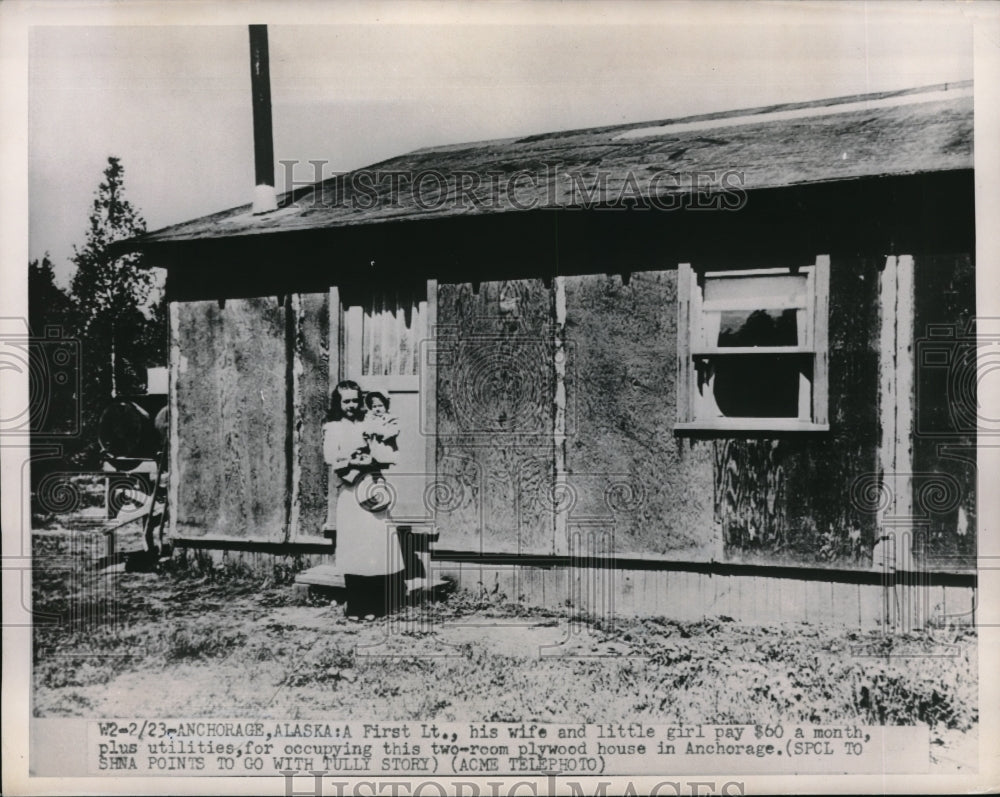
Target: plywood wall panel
[(231, 403), (495, 389), (627, 468)]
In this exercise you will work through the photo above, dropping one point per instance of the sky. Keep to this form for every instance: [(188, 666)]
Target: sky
[(173, 101)]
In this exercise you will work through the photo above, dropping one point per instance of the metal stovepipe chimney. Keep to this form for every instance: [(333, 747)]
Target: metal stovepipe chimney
[(263, 139)]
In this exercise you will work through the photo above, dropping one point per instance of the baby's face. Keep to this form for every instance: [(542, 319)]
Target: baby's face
[(377, 408)]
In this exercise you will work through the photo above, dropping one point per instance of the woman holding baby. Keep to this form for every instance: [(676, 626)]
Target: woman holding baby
[(358, 448)]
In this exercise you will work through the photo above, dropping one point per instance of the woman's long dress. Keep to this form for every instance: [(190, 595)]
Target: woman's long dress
[(366, 544)]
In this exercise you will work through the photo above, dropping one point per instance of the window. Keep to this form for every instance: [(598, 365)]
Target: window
[(752, 348)]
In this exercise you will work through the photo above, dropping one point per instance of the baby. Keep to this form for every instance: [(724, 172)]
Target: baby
[(380, 431), (380, 428)]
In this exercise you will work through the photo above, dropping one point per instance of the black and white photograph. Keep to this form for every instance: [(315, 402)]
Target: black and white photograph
[(501, 398)]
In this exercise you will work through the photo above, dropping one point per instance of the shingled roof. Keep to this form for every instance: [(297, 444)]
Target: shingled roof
[(892, 133)]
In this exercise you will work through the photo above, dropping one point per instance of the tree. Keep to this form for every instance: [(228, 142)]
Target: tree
[(51, 318), (48, 304), (119, 322)]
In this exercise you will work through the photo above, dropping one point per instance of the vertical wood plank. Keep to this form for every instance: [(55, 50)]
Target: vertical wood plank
[(768, 615), (821, 314), (887, 384), (685, 283), (871, 606), (559, 474), (425, 348), (776, 595), (667, 599), (651, 602), (681, 596), (662, 605), (312, 399), (294, 413), (381, 364), (353, 339), (334, 328), (685, 596), (759, 601), (903, 441), (812, 603), (173, 486), (526, 585), (335, 370)]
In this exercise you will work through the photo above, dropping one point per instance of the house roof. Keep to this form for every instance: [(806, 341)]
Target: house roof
[(893, 133)]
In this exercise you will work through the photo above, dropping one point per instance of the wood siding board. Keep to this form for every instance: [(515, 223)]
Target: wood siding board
[(871, 606), (903, 441), (887, 385), (559, 471), (821, 315), (685, 285), (293, 415), (425, 354), (312, 396)]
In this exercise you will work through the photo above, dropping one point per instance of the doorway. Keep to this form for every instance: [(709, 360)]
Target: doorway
[(384, 348)]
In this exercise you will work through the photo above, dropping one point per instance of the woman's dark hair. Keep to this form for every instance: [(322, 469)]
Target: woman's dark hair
[(376, 395), (334, 413)]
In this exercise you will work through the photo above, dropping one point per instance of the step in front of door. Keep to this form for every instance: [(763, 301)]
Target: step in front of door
[(329, 577)]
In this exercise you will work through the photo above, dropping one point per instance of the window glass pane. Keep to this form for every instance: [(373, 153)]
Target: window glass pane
[(757, 387), (777, 290), (759, 328)]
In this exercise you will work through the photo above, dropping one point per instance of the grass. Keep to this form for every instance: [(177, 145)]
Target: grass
[(200, 637)]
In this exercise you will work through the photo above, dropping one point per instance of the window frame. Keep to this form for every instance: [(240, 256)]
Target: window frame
[(692, 313)]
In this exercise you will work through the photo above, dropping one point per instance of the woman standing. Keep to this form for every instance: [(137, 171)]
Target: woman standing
[(368, 552)]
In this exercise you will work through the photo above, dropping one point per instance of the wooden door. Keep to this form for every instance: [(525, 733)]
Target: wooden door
[(385, 345)]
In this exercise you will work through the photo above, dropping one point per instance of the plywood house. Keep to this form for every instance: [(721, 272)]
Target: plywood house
[(717, 358)]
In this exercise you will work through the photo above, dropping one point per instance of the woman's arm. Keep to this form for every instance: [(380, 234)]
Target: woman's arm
[(334, 451)]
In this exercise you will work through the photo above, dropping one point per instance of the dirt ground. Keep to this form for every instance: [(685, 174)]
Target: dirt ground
[(195, 640)]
